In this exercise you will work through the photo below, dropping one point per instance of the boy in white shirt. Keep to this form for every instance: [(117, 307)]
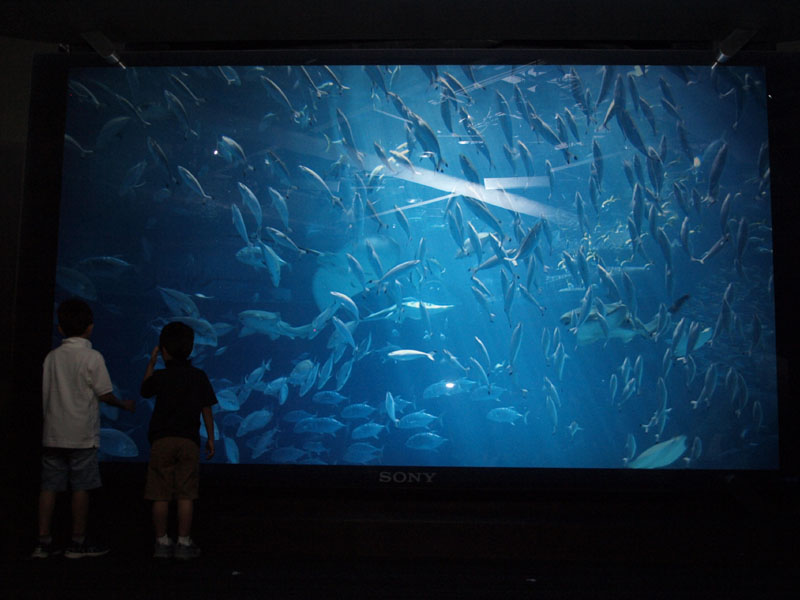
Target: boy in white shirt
[(74, 381)]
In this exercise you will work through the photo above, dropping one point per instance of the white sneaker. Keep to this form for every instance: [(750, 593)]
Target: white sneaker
[(163, 550)]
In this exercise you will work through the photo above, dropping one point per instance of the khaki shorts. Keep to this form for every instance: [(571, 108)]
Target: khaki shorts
[(173, 470)]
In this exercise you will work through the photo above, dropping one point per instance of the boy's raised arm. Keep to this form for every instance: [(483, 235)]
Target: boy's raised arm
[(151, 365)]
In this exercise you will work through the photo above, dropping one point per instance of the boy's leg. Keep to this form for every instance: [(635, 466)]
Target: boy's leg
[(44, 547), (160, 514), (84, 476), (186, 485), (185, 549), (185, 513), (55, 472), (47, 503), (80, 514), (158, 487)]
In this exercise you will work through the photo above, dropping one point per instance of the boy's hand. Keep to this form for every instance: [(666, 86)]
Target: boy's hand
[(151, 365), (209, 449), (111, 399)]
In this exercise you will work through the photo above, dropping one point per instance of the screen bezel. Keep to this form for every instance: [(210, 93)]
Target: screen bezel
[(38, 249)]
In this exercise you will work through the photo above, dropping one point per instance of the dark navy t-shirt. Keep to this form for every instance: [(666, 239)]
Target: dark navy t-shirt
[(181, 392)]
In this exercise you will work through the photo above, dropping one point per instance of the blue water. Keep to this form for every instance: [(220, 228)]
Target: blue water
[(145, 245)]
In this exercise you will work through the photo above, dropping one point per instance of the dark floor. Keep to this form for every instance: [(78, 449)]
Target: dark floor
[(257, 544), (248, 575)]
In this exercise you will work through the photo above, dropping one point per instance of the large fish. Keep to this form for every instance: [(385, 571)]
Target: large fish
[(180, 85), (681, 340), (190, 180), (474, 134), (274, 90), (546, 132), (395, 271), (456, 85), (179, 304), (270, 324), (335, 200), (631, 131), (323, 425), (418, 419), (429, 142), (132, 177), (621, 323), (716, 172), (161, 159), (273, 262), (469, 170), (230, 150), (253, 205), (376, 77), (527, 157), (480, 210), (506, 414), (409, 308), (448, 387), (175, 106), (425, 441), (605, 84), (205, 334), (662, 454), (504, 116), (648, 113), (348, 140), (404, 355)]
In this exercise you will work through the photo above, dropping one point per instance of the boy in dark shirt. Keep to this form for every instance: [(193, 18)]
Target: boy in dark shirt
[(183, 393)]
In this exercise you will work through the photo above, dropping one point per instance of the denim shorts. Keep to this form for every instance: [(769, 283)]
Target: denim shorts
[(172, 472), (78, 466)]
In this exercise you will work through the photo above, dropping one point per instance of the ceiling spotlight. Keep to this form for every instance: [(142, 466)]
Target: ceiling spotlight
[(103, 46), (732, 44)]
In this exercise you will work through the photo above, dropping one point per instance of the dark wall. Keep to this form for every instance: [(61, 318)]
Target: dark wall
[(549, 22), (19, 426)]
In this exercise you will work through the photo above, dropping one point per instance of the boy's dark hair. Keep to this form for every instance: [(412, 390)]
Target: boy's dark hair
[(178, 339), (74, 317)]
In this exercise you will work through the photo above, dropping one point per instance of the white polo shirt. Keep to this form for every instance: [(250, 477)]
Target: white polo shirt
[(74, 376)]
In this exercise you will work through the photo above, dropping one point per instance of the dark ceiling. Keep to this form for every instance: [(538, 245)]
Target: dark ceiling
[(199, 24)]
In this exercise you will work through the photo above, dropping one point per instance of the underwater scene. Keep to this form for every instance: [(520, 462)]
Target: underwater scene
[(472, 266)]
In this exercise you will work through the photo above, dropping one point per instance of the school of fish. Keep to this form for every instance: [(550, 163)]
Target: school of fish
[(481, 265)]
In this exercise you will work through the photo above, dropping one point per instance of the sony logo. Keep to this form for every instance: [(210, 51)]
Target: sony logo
[(406, 477)]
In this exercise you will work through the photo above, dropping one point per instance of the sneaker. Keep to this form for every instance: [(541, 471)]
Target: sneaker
[(76, 550), (185, 552), (164, 550), (45, 550)]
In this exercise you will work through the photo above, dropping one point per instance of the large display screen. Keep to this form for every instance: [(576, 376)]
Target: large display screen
[(533, 265)]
